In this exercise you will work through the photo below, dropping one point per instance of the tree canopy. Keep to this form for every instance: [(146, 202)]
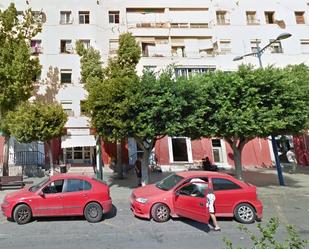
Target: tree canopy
[(251, 103), (37, 122)]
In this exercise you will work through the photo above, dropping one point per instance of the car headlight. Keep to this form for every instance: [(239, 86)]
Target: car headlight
[(141, 200)]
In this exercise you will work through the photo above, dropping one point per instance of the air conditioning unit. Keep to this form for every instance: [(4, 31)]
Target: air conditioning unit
[(69, 48)]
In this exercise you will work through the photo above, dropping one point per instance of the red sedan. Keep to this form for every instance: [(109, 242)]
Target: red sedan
[(59, 195), (178, 195)]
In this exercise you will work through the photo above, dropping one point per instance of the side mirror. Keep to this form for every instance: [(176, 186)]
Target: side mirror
[(177, 192), (41, 193)]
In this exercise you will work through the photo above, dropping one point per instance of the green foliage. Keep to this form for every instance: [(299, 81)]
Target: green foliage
[(266, 239), (251, 103), (17, 67), (91, 66), (36, 122)]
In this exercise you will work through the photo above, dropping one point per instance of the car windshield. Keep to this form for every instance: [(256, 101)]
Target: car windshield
[(38, 186), (169, 182)]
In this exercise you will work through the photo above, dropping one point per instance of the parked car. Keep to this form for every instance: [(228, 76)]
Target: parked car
[(178, 196), (59, 195)]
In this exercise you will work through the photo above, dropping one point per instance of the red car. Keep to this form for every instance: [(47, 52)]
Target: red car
[(178, 195), (59, 195)]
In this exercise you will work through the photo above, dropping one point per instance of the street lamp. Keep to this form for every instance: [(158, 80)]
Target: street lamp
[(258, 54)]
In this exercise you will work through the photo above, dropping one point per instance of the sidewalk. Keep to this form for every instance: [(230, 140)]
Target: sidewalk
[(266, 181)]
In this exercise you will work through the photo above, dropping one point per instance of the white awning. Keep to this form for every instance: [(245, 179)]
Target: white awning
[(77, 141)]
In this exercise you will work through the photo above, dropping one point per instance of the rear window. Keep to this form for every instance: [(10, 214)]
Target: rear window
[(224, 184), (74, 185)]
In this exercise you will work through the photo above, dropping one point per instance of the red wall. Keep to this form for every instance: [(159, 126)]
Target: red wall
[(255, 153), (109, 151), (56, 151), (301, 147)]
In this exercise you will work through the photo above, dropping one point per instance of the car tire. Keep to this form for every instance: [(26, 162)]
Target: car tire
[(93, 212), (22, 214), (244, 213), (160, 212)]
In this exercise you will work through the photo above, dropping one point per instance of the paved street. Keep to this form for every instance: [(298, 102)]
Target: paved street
[(121, 230)]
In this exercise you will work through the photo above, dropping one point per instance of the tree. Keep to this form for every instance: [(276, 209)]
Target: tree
[(108, 86), (253, 103), (159, 106), (17, 67), (37, 122)]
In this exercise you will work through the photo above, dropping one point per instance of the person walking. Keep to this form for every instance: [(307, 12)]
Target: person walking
[(138, 171), (292, 159), (210, 204)]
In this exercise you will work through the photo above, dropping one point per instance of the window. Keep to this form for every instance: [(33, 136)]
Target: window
[(83, 109), (66, 17), (65, 76), (36, 47), (187, 72), (84, 17), (67, 107), (87, 152), (113, 16), (75, 185), (78, 153), (225, 46), (224, 184), (270, 17), (300, 17), (147, 47), (54, 187), (304, 46), (194, 190), (254, 44), (69, 153), (150, 68), (66, 46), (113, 46), (178, 51), (221, 17), (251, 17), (86, 43), (276, 47)]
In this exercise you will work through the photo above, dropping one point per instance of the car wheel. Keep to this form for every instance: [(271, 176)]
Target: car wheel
[(245, 213), (22, 214), (160, 212), (93, 212)]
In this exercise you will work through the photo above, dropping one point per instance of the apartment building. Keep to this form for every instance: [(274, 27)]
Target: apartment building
[(195, 37)]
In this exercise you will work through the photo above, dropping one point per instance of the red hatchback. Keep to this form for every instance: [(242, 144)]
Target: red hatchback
[(178, 196), (59, 195)]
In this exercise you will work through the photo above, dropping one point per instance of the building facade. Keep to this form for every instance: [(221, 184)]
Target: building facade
[(195, 37)]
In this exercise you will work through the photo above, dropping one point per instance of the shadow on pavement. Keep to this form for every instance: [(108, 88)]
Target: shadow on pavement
[(198, 225)]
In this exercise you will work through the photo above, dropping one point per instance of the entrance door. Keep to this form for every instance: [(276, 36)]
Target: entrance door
[(190, 202), (180, 149)]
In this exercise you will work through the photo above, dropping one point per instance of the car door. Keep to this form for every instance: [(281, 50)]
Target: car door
[(49, 202), (227, 193), (190, 202), (76, 194)]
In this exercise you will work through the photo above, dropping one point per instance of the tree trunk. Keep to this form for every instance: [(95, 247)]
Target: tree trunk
[(145, 169), (6, 153), (238, 164), (119, 160), (50, 155)]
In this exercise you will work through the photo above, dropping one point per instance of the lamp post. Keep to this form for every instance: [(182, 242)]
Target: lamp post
[(258, 54)]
